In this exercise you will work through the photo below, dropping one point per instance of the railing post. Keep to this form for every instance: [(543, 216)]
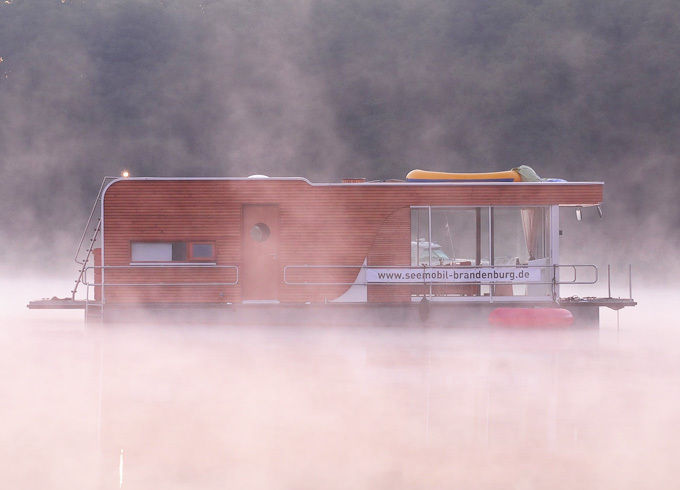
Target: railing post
[(87, 296)]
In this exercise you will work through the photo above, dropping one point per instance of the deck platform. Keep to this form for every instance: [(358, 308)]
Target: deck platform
[(612, 303), (56, 304), (440, 314)]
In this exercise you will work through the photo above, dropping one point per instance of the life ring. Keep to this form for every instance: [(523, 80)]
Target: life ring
[(531, 317)]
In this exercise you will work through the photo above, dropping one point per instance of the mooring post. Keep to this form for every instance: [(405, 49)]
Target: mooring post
[(630, 281), (120, 470)]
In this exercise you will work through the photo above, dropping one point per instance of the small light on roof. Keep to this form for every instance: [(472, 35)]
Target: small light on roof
[(125, 174)]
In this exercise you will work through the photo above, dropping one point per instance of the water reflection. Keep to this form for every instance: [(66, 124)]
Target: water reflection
[(305, 407)]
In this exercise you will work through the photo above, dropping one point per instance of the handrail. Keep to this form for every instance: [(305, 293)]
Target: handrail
[(164, 266), (594, 268), (89, 219), (89, 284), (555, 268), (287, 268), (84, 262)]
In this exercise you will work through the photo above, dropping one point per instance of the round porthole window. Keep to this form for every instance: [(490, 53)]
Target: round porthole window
[(260, 232)]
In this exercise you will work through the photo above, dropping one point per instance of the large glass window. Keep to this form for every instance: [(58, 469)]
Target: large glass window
[(498, 236), (519, 235), (459, 236), (420, 236), (520, 238)]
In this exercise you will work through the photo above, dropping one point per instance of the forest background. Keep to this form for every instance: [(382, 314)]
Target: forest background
[(328, 89)]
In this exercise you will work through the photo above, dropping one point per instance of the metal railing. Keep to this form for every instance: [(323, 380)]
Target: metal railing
[(630, 281), (83, 266), (556, 268), (434, 286), (93, 238), (206, 267), (105, 181), (553, 278)]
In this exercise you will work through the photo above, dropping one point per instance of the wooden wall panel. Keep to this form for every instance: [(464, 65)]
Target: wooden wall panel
[(392, 246), (97, 255), (319, 225)]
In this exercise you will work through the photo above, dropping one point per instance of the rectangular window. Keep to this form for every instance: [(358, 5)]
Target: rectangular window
[(179, 251), (201, 251), (480, 238), (151, 252), (172, 251), (449, 236), (519, 235)]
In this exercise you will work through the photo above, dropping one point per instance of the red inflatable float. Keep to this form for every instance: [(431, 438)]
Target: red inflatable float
[(531, 317)]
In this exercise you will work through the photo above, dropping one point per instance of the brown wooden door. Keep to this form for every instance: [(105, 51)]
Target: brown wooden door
[(260, 267)]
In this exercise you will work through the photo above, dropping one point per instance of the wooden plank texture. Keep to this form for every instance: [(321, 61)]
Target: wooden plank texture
[(318, 225)]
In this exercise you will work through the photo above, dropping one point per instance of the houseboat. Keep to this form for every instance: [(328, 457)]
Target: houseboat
[(434, 247)]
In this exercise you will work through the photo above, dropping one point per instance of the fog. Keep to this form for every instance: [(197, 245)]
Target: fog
[(328, 89), (197, 406)]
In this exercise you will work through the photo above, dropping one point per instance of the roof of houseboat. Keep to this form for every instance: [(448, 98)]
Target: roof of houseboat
[(414, 192), (519, 175)]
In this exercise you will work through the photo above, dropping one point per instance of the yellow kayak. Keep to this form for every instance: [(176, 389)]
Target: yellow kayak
[(418, 175)]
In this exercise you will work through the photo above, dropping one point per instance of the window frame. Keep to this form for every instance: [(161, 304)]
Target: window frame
[(161, 242), (188, 260), (548, 236), (190, 249)]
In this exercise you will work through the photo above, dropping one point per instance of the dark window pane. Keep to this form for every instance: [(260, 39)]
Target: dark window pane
[(179, 251), (202, 251)]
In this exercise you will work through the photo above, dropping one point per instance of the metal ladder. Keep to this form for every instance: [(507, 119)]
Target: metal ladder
[(93, 239), (86, 259)]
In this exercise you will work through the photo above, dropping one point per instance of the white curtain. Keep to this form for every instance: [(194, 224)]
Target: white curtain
[(532, 220)]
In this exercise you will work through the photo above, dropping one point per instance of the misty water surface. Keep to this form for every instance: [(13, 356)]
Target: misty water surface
[(309, 407)]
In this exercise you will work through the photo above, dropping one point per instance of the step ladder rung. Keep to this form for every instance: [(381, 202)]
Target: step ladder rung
[(93, 238)]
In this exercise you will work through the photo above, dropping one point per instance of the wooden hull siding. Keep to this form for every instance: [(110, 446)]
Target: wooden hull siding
[(97, 256), (318, 225)]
